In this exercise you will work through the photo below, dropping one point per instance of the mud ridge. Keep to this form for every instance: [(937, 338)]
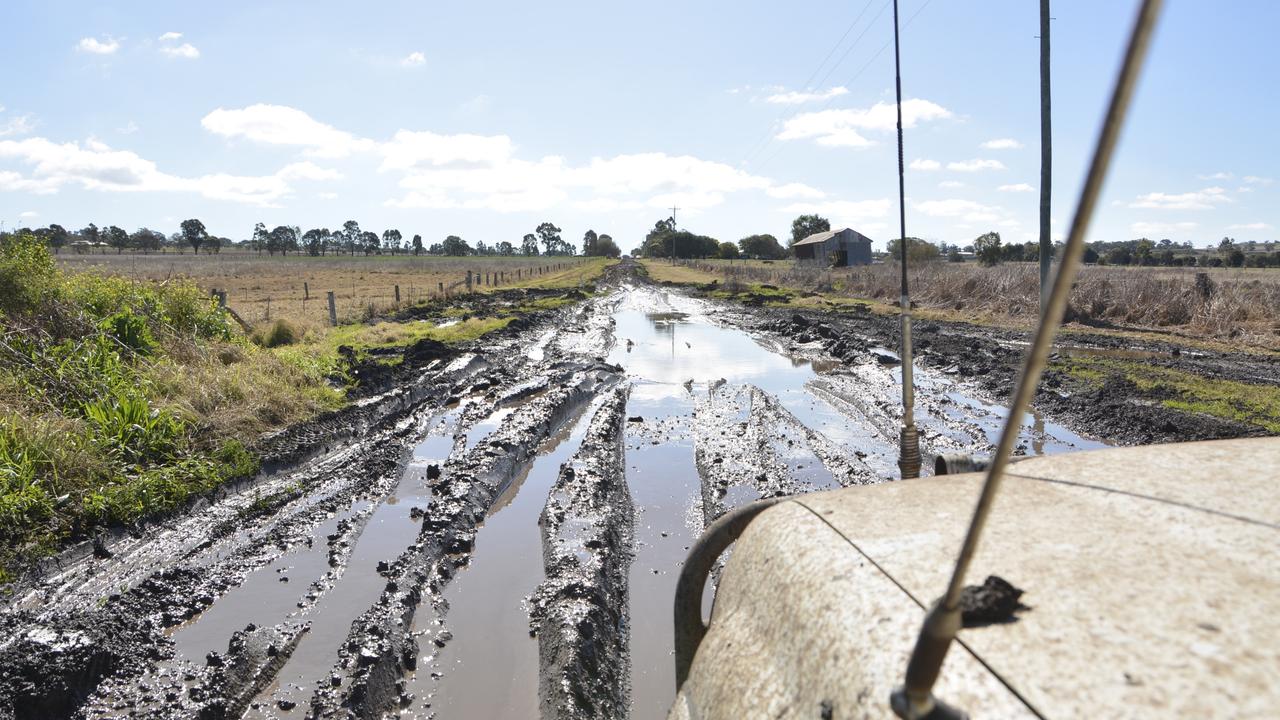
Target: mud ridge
[(368, 677), (579, 613)]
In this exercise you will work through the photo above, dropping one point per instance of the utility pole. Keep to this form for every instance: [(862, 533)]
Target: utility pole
[(1046, 157), (673, 237)]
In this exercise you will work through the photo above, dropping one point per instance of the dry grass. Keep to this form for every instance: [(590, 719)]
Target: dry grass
[(261, 288), (1237, 305)]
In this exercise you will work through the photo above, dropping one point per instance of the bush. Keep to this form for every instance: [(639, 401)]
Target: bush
[(27, 273), (131, 331), (281, 332)]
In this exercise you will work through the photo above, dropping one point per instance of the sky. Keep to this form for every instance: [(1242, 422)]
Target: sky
[(485, 119)]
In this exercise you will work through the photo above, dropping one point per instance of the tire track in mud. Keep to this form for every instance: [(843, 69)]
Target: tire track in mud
[(368, 677), (579, 612)]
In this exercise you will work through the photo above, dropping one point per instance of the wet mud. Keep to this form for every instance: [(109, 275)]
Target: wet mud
[(496, 528)]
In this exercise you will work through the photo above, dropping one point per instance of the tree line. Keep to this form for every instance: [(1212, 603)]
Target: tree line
[(350, 239)]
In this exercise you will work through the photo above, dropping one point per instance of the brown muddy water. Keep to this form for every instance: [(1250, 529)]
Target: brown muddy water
[(716, 418)]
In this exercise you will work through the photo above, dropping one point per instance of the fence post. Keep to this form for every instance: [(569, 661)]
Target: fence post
[(468, 281), (268, 317), (397, 294), (441, 289), (333, 310), (306, 291)]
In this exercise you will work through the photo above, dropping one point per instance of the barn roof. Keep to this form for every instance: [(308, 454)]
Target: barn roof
[(822, 237)]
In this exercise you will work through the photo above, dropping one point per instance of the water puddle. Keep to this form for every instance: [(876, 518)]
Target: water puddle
[(391, 528), (490, 667)]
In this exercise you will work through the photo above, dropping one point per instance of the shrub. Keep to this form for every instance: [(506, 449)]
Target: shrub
[(281, 332), (131, 330), (27, 273)]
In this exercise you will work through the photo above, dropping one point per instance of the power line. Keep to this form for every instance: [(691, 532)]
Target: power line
[(863, 69), (764, 140)]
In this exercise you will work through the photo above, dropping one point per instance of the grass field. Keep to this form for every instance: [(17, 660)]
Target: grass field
[(262, 287), (1240, 306)]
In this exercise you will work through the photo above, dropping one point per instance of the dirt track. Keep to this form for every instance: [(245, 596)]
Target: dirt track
[(399, 555)]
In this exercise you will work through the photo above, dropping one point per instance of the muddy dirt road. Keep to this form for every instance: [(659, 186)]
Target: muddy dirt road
[(497, 533)]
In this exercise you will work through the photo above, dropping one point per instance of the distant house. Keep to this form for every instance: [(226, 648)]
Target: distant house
[(834, 248)]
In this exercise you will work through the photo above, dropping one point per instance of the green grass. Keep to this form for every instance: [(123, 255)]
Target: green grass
[(121, 400), (1257, 405)]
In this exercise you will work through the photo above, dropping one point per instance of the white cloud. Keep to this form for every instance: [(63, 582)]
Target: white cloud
[(603, 204), (923, 164), (1161, 228), (1256, 180), (129, 128), (795, 190), (975, 165), (307, 170), (954, 208), (96, 166), (414, 59), (1205, 199), (28, 214), (409, 149), (1216, 176), (1002, 144), (170, 37), (840, 128), (949, 184), (187, 51), (846, 213), (283, 125), (98, 47), (509, 184), (1016, 188), (328, 195), (1250, 226), (19, 125), (1244, 189), (797, 98)]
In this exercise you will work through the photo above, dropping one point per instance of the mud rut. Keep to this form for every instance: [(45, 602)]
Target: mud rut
[(499, 537)]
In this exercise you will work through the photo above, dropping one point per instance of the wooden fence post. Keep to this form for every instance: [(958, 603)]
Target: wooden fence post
[(397, 294), (441, 289), (306, 291), (468, 281), (333, 310)]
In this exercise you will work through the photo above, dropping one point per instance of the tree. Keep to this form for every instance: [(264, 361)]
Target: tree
[(765, 247), (369, 242), (454, 245), (606, 247), (987, 248), (90, 234), (1235, 258), (261, 238), (435, 249), (116, 237), (506, 248), (917, 250), (589, 240), (350, 235), (194, 234), (213, 244), (417, 244), (391, 240), (954, 255), (282, 239), (1090, 256), (1142, 251), (529, 245), (57, 237), (806, 225), (728, 251), (146, 240), (315, 239), (549, 235)]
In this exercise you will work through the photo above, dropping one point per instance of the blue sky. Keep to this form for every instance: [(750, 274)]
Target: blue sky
[(484, 119)]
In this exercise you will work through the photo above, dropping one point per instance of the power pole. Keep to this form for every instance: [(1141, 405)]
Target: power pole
[(1046, 157), (673, 237)]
